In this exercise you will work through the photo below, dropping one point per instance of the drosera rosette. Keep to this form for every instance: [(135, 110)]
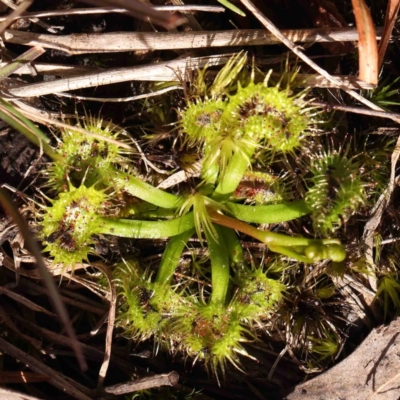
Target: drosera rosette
[(201, 119), (269, 115), (325, 348), (67, 222), (147, 306), (70, 224), (201, 122), (261, 116), (209, 327), (212, 327), (232, 119), (149, 303), (311, 314), (257, 296), (335, 190), (91, 155), (103, 162), (212, 334), (375, 165)]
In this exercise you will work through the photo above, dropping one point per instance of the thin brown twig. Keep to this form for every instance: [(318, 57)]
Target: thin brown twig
[(110, 324), (357, 110), (380, 388), (16, 13), (23, 300), (108, 10), (303, 80), (170, 379), (47, 27), (91, 352), (9, 323), (81, 303), (96, 288), (313, 80), (144, 11)]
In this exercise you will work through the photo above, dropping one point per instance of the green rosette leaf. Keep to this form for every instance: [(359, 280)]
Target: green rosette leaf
[(258, 295), (269, 116), (69, 224), (336, 191), (201, 120), (86, 157)]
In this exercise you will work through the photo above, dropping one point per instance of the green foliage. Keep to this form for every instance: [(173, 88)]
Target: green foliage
[(267, 115), (374, 161), (87, 156), (226, 123), (325, 292), (326, 347), (202, 221), (211, 333), (389, 289), (68, 225), (232, 7), (257, 296), (147, 306), (386, 94), (201, 120), (335, 192)]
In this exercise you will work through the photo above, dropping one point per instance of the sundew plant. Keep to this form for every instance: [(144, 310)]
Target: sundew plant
[(250, 136)]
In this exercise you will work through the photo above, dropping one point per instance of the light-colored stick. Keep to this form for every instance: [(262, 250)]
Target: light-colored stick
[(168, 71), (54, 69), (308, 80), (122, 99), (134, 41)]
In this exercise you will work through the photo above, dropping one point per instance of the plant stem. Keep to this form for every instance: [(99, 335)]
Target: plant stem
[(144, 191), (233, 246), (231, 177), (171, 256), (299, 248), (145, 229), (144, 210), (269, 214), (219, 267)]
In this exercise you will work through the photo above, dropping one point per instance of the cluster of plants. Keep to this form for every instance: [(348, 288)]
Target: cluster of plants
[(265, 167)]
